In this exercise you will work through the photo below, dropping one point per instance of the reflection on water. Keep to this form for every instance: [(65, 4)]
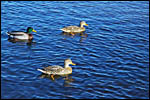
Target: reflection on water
[(109, 57), (28, 42), (67, 79), (82, 35)]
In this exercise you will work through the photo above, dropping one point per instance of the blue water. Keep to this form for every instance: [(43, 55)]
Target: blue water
[(112, 57)]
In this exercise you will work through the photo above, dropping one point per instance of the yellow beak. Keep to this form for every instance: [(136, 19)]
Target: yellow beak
[(73, 63), (86, 24), (34, 30)]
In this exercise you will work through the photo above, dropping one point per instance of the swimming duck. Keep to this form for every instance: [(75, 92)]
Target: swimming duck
[(75, 29), (22, 35), (58, 70)]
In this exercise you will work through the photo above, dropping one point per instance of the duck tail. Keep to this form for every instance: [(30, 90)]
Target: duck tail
[(41, 70), (62, 29), (7, 33)]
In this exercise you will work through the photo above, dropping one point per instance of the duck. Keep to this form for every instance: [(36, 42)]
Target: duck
[(75, 29), (22, 35), (58, 70)]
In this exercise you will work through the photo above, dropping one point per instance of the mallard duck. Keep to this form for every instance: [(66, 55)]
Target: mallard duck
[(75, 29), (58, 70), (22, 35)]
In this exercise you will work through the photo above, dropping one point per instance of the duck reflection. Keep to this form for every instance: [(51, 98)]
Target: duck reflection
[(68, 79), (28, 42), (82, 35)]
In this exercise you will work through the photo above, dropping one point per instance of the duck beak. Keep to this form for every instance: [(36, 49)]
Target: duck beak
[(86, 24), (34, 30), (73, 63)]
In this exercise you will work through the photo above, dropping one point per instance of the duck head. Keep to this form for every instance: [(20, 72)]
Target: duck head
[(82, 23), (30, 29), (68, 62)]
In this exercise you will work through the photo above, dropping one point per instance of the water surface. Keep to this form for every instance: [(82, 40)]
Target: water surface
[(112, 56)]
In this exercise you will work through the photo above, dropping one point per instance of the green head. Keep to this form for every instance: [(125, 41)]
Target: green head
[(30, 29)]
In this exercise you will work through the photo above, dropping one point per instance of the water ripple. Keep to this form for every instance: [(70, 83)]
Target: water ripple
[(111, 58)]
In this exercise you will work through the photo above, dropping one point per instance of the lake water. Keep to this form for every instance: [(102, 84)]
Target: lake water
[(112, 57)]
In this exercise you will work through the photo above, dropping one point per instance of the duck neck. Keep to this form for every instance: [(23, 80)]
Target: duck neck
[(66, 65), (30, 36), (81, 25)]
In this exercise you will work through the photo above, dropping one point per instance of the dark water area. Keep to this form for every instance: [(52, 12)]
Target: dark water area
[(112, 57)]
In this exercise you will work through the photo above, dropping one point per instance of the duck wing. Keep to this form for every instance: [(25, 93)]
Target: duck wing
[(74, 29), (16, 33), (54, 69), (70, 28)]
